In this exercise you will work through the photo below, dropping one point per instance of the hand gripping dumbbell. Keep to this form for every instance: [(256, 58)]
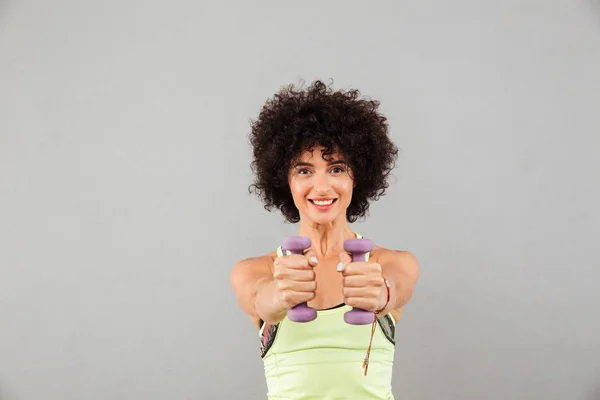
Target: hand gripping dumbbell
[(358, 248), (297, 245)]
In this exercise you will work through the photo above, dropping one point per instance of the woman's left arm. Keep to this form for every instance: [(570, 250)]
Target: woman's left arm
[(401, 270)]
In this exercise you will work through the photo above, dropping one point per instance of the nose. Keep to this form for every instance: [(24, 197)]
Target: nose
[(321, 183)]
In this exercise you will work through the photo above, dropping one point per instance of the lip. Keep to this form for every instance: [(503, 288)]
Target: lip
[(322, 208)]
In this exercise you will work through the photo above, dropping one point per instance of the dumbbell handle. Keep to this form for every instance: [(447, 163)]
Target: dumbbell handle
[(358, 248), (296, 245)]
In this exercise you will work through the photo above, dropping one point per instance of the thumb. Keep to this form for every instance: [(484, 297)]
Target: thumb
[(312, 257), (345, 259)]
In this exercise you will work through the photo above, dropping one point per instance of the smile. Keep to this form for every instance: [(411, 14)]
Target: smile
[(322, 204)]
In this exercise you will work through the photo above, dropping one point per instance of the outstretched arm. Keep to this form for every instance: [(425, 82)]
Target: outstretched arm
[(401, 269), (254, 287)]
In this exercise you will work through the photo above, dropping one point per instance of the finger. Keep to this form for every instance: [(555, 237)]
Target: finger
[(363, 268), (359, 302), (294, 274), (304, 275), (344, 259), (362, 292), (307, 296), (295, 298), (312, 257), (353, 281), (294, 286), (297, 261)]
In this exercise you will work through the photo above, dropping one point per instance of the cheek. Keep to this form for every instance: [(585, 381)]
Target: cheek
[(345, 186), (297, 188)]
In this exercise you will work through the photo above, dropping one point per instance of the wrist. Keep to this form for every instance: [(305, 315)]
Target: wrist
[(267, 304), (386, 294)]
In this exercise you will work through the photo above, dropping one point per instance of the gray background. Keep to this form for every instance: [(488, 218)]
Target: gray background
[(123, 200)]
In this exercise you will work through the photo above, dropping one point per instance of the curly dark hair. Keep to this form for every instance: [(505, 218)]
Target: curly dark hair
[(295, 120)]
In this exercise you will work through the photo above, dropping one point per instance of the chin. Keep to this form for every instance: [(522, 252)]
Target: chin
[(324, 219)]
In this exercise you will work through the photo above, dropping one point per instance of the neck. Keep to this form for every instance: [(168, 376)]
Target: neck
[(327, 239)]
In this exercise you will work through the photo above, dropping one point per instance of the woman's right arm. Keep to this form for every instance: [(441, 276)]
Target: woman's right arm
[(256, 290)]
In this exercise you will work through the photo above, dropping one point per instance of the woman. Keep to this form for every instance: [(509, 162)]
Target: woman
[(320, 157)]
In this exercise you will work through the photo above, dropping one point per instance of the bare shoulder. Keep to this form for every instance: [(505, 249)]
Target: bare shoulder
[(262, 260), (251, 267), (402, 259)]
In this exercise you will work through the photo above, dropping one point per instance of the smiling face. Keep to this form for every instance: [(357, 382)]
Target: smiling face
[(321, 186)]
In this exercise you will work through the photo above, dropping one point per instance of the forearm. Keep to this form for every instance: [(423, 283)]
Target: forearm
[(402, 275), (401, 290), (266, 305)]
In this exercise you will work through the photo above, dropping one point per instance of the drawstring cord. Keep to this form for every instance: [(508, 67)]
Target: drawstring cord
[(366, 361), (373, 327)]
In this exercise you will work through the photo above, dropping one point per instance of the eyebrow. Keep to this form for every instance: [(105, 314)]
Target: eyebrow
[(307, 164)]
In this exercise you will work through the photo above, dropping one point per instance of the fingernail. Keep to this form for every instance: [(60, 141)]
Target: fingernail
[(314, 260), (340, 266)]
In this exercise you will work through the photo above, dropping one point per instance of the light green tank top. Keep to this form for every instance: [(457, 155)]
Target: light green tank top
[(323, 359)]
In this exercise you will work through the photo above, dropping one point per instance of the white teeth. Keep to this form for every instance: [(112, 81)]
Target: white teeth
[(323, 203)]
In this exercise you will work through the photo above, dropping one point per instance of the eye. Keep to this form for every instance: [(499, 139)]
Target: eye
[(303, 171), (337, 170)]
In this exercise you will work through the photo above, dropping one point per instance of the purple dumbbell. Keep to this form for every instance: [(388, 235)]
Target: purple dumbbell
[(358, 248), (296, 245)]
